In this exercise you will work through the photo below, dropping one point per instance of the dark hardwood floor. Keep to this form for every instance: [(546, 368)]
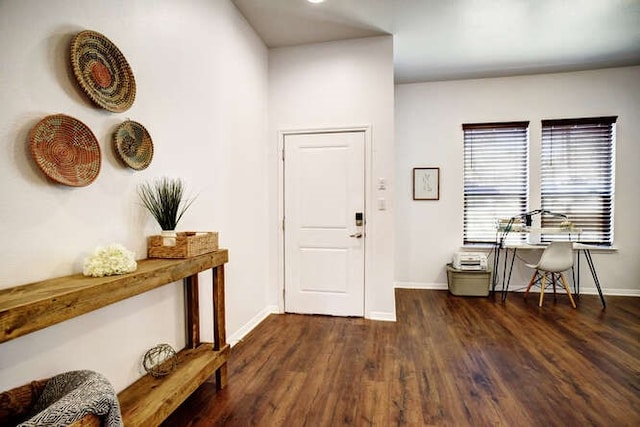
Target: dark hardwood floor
[(447, 361)]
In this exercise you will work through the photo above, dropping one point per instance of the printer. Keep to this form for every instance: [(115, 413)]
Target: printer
[(469, 261)]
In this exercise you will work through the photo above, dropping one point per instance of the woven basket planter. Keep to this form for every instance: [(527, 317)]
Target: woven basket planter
[(186, 245)]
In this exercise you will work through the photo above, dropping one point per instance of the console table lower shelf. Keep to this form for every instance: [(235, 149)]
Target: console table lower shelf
[(150, 400)]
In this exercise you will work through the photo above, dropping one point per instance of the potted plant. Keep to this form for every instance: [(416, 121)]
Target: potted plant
[(165, 199)]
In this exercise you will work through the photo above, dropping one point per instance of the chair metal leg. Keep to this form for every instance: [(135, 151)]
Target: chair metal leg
[(531, 282), (554, 278), (564, 283)]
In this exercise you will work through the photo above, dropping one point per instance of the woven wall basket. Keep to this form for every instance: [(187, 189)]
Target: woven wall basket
[(133, 144), (66, 150), (102, 71)]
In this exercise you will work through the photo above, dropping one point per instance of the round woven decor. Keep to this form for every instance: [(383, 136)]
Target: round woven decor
[(133, 144), (102, 71), (66, 150)]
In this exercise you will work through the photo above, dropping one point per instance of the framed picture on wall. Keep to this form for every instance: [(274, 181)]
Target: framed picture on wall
[(426, 183)]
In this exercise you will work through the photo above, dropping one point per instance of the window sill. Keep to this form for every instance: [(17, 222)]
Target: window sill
[(489, 247)]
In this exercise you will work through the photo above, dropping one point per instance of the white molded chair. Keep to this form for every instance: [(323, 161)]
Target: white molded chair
[(556, 258)]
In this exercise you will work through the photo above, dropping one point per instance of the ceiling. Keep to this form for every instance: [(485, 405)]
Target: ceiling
[(459, 39)]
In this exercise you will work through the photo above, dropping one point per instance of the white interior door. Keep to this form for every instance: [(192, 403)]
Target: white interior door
[(324, 246)]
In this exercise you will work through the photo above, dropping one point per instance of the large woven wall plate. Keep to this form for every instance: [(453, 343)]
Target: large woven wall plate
[(133, 144), (102, 71), (66, 150)]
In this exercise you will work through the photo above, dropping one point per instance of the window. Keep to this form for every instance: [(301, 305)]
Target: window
[(577, 175), (495, 176)]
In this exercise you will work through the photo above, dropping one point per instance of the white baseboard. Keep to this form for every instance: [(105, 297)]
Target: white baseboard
[(255, 321), (611, 292), (422, 285), (583, 290), (382, 315)]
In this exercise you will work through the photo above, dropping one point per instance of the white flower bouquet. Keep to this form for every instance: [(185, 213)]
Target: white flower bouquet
[(109, 260)]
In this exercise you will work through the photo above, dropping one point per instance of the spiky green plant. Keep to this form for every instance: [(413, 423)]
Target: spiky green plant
[(165, 199)]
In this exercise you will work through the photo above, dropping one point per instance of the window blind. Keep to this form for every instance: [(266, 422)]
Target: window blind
[(577, 175), (495, 177)]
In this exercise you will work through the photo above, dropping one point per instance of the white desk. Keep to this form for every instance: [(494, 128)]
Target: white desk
[(507, 267)]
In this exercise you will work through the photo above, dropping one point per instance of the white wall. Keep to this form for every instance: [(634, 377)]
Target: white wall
[(336, 85), (428, 133), (201, 75)]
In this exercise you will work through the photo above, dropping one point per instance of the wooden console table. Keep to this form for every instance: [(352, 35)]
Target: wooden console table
[(148, 401)]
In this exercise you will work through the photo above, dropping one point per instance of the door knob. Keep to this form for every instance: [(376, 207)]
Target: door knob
[(356, 235)]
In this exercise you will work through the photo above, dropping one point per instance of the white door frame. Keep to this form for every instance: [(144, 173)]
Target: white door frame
[(368, 157)]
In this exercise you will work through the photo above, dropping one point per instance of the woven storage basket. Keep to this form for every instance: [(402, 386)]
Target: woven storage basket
[(187, 244), (16, 404)]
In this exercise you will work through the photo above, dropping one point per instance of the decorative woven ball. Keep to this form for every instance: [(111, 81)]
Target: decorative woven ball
[(160, 360)]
